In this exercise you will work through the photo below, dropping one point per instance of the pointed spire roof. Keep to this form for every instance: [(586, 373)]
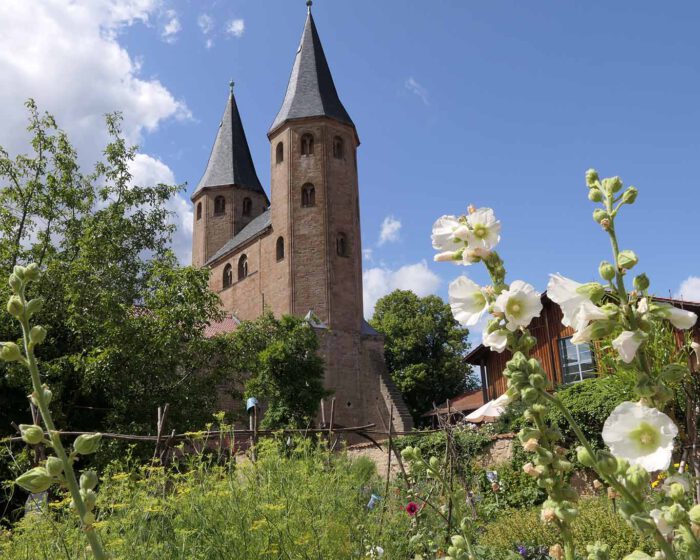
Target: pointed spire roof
[(311, 91), (230, 162)]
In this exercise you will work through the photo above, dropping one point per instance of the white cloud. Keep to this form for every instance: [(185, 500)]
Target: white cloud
[(236, 27), (367, 254), (67, 56), (417, 89), (206, 23), (689, 289), (390, 230), (147, 170), (380, 281), (171, 27)]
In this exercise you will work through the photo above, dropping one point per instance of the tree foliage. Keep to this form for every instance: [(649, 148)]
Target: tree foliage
[(285, 370), (424, 348), (125, 322)]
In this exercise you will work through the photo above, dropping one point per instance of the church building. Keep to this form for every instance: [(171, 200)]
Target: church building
[(299, 251)]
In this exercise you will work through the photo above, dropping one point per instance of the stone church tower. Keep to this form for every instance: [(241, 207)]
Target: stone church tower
[(301, 254)]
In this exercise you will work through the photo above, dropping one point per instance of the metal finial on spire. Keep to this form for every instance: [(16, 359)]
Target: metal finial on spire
[(230, 85), (309, 3)]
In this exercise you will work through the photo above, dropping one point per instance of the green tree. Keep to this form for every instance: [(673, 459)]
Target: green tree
[(125, 322), (424, 349), (284, 368)]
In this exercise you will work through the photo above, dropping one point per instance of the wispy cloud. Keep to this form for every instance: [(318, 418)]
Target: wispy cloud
[(390, 230), (206, 26), (417, 89), (367, 254), (689, 289), (236, 27), (171, 27)]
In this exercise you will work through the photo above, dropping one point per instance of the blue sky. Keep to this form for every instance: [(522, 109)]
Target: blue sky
[(502, 104)]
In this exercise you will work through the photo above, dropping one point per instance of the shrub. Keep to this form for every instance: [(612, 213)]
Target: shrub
[(596, 521)]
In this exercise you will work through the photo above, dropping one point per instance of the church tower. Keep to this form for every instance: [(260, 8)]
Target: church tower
[(229, 194), (315, 198)]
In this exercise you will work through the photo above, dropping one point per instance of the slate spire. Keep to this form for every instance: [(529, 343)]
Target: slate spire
[(311, 91), (230, 162)]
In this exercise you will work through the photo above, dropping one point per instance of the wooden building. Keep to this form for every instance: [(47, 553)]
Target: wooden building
[(563, 361)]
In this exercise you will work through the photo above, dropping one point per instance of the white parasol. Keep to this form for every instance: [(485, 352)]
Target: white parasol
[(489, 411)]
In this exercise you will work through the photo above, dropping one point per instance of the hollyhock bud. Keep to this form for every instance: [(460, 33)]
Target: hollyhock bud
[(46, 393), (88, 518), (37, 335), (595, 195), (548, 515), (531, 470), (612, 184), (90, 499), (675, 515), (87, 444), (531, 445), (585, 457), (32, 272), (35, 305), (598, 551), (676, 492), (591, 177), (637, 477), (694, 514), (627, 259), (10, 352), (459, 541), (630, 195), (35, 480), (88, 480), (641, 282), (607, 464), (54, 466), (606, 271), (31, 433), (556, 552), (599, 215), (15, 283), (15, 307), (19, 271)]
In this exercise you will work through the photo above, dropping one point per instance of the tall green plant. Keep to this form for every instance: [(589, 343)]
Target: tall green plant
[(59, 468)]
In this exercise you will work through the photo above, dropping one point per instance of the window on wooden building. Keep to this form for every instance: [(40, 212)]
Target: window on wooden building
[(577, 361), (228, 276), (307, 145), (219, 206), (242, 267)]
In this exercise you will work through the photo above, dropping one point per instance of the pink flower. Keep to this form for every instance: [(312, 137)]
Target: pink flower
[(412, 508)]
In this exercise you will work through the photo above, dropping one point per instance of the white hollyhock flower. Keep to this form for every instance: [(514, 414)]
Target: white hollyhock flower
[(565, 293), (583, 336), (679, 318), (443, 235), (467, 301), (661, 524), (676, 479), (446, 256), (484, 228), (641, 435), (472, 255), (643, 306), (587, 313), (520, 304), (696, 348), (496, 340), (627, 343)]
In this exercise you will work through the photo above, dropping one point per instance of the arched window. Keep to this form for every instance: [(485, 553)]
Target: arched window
[(228, 276), (341, 245), (307, 145), (338, 148), (199, 211), (219, 206), (279, 158), (280, 248), (308, 195), (242, 267), (247, 206)]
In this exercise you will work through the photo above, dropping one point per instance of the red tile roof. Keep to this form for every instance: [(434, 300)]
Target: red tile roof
[(226, 325), (463, 403)]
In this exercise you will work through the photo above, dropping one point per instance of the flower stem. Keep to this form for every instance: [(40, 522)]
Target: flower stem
[(611, 480), (71, 479)]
